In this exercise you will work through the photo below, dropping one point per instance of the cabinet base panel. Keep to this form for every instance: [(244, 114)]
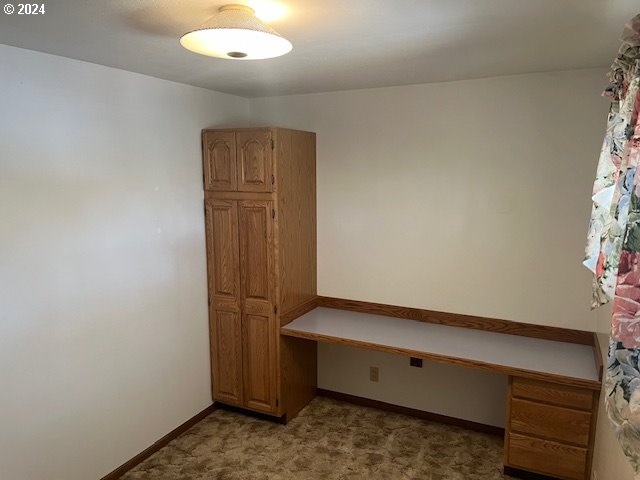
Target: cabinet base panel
[(262, 416), (525, 475)]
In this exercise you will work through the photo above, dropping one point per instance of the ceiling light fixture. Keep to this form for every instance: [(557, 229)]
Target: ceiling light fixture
[(236, 33)]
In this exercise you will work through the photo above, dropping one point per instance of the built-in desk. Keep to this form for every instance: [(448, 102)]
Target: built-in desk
[(569, 363), (553, 392)]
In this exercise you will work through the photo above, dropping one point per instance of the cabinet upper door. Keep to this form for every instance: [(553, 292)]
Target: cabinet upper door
[(219, 161), (255, 165)]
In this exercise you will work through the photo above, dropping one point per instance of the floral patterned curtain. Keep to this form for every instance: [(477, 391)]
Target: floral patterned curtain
[(613, 245)]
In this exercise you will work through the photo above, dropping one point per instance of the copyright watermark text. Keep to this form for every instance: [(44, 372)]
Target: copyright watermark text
[(24, 9)]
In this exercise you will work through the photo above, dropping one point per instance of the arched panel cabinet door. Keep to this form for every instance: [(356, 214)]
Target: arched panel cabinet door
[(219, 165), (255, 165)]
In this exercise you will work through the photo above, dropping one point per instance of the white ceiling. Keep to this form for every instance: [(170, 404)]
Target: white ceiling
[(338, 44)]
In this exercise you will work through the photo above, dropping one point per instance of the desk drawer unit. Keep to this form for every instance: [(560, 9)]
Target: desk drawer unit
[(550, 429)]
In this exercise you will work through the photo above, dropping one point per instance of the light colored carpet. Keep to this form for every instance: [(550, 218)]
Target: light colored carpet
[(328, 440)]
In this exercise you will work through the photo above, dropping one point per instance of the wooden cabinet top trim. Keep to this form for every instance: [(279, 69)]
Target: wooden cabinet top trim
[(244, 129), (548, 360)]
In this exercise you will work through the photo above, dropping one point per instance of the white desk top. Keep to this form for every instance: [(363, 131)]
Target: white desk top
[(482, 349)]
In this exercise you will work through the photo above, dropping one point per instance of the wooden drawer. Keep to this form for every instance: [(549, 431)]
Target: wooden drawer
[(547, 457), (553, 393), (548, 421)]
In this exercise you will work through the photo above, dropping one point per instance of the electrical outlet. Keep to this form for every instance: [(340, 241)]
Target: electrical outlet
[(374, 374), (415, 362)]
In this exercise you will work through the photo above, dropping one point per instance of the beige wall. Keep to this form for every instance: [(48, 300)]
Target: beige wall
[(468, 197), (103, 306), (440, 388)]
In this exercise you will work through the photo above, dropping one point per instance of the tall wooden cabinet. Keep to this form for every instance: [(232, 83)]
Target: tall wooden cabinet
[(260, 214)]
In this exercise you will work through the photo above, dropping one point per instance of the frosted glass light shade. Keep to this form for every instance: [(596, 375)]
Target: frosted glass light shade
[(238, 34)]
